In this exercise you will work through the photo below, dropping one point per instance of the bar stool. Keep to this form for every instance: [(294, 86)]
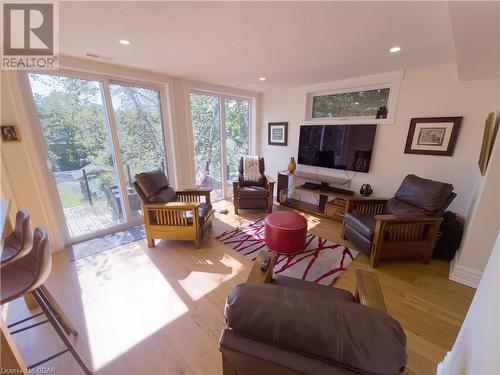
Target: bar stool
[(27, 275), (18, 243)]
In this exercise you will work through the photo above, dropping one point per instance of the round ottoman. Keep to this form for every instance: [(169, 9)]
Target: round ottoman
[(285, 232)]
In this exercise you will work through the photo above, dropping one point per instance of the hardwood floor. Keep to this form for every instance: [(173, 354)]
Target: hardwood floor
[(160, 311)]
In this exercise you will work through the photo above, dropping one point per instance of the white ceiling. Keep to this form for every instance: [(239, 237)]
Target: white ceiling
[(234, 43)]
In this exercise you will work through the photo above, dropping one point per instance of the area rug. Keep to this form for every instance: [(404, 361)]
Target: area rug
[(322, 262)]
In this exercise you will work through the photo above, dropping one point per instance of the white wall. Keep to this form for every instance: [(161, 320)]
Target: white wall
[(482, 225), (23, 171), (477, 346), (425, 92)]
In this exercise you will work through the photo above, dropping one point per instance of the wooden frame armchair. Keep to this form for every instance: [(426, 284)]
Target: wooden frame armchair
[(254, 203), (173, 215), (404, 226), (396, 236), (253, 195)]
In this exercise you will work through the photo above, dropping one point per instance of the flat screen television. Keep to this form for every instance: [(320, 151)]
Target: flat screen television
[(347, 147)]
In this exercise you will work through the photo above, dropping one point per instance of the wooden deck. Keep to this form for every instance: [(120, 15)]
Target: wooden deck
[(89, 218)]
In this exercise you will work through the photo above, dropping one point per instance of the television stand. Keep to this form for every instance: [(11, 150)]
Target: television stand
[(332, 200)]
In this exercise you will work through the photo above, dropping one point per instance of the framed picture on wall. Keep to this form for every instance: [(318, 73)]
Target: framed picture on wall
[(277, 133), (433, 135), (9, 133), (490, 133)]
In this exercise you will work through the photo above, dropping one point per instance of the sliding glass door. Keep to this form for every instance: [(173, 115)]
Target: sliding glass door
[(237, 135), (206, 123), (220, 138), (97, 136), (140, 133)]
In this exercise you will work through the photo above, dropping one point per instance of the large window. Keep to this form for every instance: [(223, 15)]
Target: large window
[(93, 162), (221, 133)]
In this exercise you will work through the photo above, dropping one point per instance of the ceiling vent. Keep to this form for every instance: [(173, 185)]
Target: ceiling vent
[(96, 56)]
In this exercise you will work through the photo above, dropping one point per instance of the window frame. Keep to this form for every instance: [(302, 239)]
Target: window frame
[(251, 124), (391, 81)]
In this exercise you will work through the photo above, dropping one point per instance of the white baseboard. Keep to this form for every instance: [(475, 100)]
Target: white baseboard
[(464, 275), (442, 368)]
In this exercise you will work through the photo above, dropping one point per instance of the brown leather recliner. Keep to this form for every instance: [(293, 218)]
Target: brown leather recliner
[(171, 214), (406, 225), (253, 195), (290, 326)]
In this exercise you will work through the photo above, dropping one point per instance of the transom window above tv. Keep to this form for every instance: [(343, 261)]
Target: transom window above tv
[(362, 100), (372, 103)]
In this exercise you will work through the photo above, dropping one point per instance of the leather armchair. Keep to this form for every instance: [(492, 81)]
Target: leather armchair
[(170, 214), (406, 225), (249, 195), (289, 326)]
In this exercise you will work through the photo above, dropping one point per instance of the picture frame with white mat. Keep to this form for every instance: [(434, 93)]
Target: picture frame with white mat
[(433, 135)]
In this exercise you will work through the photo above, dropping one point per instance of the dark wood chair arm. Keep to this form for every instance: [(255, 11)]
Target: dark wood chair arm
[(236, 187), (368, 290), (270, 179), (257, 275), (402, 219), (270, 186)]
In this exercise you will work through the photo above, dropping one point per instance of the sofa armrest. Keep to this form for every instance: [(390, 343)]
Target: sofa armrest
[(368, 290), (259, 275)]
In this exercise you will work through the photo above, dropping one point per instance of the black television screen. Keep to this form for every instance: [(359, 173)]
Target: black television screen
[(347, 147)]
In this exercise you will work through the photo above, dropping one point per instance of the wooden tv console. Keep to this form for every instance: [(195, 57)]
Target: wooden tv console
[(331, 204)]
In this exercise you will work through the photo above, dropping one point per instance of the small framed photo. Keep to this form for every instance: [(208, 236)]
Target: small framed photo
[(9, 133), (277, 133), (433, 135)]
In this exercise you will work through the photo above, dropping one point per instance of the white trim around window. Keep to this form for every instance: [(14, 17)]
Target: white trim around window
[(380, 81), (223, 96)]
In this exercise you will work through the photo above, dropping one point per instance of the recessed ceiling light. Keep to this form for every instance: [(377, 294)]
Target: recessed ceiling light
[(395, 49), (262, 78), (125, 42)]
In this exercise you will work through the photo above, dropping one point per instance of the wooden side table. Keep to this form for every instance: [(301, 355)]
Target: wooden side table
[(335, 209)]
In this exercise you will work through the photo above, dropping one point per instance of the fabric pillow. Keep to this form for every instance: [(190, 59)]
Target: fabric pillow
[(151, 182)]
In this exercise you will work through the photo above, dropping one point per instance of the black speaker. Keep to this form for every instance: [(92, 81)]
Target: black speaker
[(366, 190)]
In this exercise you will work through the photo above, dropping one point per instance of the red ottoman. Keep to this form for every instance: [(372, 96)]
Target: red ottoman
[(286, 232)]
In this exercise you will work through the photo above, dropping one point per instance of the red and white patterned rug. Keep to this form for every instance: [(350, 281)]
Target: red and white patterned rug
[(322, 262)]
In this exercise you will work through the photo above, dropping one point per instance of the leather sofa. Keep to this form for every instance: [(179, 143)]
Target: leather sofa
[(290, 326), (406, 225), (253, 195)]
